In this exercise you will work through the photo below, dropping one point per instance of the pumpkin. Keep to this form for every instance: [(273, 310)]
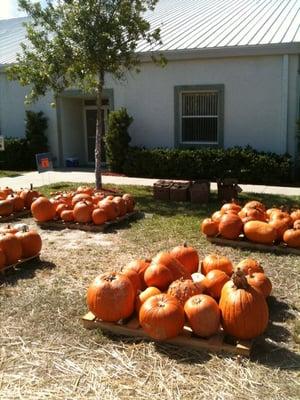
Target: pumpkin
[(110, 208), (121, 205), (249, 263), (187, 256), (83, 211), (295, 215), (183, 289), (2, 259), (42, 209), (2, 195), (62, 207), (260, 281), (272, 211), (255, 204), (99, 216), (217, 216), (111, 297), (7, 191), (260, 232), (134, 278), (9, 229), (144, 295), (213, 261), (67, 215), (230, 226), (158, 275), (11, 247), (29, 195), (244, 311), (296, 224), (231, 207), (214, 281), (203, 315), (176, 268), (129, 201), (85, 190), (81, 197), (6, 208), (17, 201), (209, 227), (281, 222), (31, 242), (140, 267), (292, 237), (162, 317), (252, 214)]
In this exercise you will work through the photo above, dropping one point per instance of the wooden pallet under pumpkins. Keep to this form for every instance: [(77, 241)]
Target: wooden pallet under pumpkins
[(19, 264), (14, 216), (243, 243), (217, 343), (89, 227)]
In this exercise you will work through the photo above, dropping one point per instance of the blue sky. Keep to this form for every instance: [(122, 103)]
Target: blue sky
[(9, 9)]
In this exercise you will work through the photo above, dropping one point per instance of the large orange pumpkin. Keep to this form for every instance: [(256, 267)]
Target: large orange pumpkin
[(11, 247), (217, 215), (260, 281), (85, 190), (81, 197), (121, 203), (62, 207), (244, 310), (42, 209), (249, 263), (230, 207), (29, 195), (203, 315), (162, 317), (183, 289), (134, 278), (230, 226), (187, 256), (99, 216), (110, 208), (296, 224), (209, 227), (176, 268), (17, 201), (67, 215), (144, 295), (7, 191), (2, 259), (295, 215), (6, 208), (292, 238), (83, 211), (129, 201), (140, 267), (252, 214), (214, 261), (281, 222), (255, 204), (214, 282), (260, 232), (158, 275), (111, 297), (31, 242)]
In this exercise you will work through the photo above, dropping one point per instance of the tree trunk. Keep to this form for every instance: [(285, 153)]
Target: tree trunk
[(99, 133)]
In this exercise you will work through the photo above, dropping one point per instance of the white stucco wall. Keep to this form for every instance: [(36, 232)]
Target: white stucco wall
[(252, 103), (12, 112)]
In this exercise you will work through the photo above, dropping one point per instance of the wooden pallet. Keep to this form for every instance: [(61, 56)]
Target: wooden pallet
[(19, 264), (89, 227), (217, 343), (17, 215), (245, 244)]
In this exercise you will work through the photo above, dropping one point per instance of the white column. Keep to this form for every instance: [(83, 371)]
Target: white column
[(284, 102)]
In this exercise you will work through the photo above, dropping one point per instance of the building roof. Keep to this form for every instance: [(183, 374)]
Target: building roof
[(189, 25)]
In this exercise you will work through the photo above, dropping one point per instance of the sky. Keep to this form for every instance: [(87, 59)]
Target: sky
[(9, 9)]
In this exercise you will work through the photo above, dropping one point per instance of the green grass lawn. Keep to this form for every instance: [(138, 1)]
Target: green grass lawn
[(9, 174), (48, 354)]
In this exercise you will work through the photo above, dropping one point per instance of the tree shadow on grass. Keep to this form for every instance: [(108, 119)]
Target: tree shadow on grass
[(25, 271)]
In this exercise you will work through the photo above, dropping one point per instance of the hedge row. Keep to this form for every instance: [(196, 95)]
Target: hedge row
[(245, 164)]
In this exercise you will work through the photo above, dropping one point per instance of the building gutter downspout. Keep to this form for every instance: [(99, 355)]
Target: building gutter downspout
[(284, 102)]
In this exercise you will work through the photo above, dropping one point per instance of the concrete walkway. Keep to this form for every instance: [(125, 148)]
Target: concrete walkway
[(47, 178)]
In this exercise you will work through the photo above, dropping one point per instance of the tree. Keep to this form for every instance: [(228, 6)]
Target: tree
[(75, 43)]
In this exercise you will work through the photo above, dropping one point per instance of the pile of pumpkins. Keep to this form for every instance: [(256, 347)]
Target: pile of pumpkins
[(18, 242), (13, 202), (173, 290), (85, 205), (258, 224)]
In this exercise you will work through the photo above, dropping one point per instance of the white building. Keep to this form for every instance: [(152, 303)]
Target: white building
[(232, 78)]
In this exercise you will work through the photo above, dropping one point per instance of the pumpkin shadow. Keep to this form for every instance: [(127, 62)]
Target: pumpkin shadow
[(26, 271), (126, 224), (182, 354), (280, 311)]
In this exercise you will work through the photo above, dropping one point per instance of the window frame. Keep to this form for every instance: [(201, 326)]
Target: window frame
[(178, 91)]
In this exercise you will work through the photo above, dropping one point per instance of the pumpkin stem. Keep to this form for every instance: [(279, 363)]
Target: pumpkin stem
[(31, 186), (185, 244), (239, 280), (25, 228), (110, 277)]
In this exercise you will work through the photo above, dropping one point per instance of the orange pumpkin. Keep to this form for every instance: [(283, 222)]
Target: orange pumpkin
[(255, 204), (85, 190), (252, 214), (129, 201), (17, 201), (134, 278), (121, 205), (140, 267), (7, 191), (244, 310), (214, 281), (203, 315), (296, 224), (295, 215), (217, 216), (2, 259), (183, 289), (231, 207), (62, 207), (42, 209), (158, 275), (249, 263), (230, 226), (260, 232), (281, 222), (144, 295), (67, 215), (83, 211), (209, 227), (176, 268), (111, 297), (162, 317), (292, 238), (11, 247), (81, 197), (31, 242), (110, 208), (214, 261), (187, 256), (260, 281), (29, 195), (6, 208), (99, 216)]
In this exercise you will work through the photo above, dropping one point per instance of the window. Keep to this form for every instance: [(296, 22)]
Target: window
[(199, 115)]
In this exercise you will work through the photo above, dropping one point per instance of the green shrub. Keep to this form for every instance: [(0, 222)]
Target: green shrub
[(16, 155), (245, 164), (117, 139), (36, 125)]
